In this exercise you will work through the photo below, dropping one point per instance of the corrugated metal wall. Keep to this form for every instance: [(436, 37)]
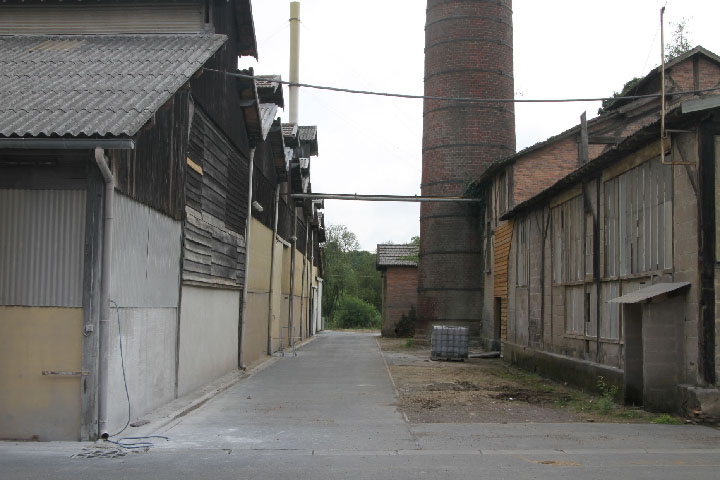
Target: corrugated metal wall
[(146, 256), (101, 19), (41, 247)]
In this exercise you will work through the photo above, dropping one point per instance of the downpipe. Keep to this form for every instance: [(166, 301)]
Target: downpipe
[(104, 327), (248, 221)]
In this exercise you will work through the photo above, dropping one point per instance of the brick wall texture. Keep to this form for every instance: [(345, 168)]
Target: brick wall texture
[(399, 294), (468, 53)]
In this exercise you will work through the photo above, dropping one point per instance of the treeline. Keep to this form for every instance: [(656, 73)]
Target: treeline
[(352, 294)]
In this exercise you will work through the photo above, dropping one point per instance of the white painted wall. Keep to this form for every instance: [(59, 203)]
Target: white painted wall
[(146, 287), (149, 343), (208, 335)]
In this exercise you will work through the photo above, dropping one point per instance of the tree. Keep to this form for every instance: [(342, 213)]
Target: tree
[(680, 42), (338, 272)]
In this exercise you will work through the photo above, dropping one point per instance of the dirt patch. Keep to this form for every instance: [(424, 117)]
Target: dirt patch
[(488, 391)]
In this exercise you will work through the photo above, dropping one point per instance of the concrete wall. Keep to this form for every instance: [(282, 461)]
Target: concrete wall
[(35, 406), (255, 342), (208, 335), (399, 294), (146, 287)]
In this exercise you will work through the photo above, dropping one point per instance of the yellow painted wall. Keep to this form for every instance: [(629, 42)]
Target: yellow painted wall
[(255, 340), (32, 405)]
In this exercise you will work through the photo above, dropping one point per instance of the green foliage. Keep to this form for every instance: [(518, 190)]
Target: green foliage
[(606, 403), (680, 42), (349, 272), (410, 343), (626, 90), (406, 326), (666, 419), (353, 312)]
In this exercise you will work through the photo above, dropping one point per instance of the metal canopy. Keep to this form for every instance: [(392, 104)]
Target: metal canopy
[(649, 292)]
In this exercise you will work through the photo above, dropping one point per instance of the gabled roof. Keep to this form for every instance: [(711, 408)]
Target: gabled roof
[(270, 89), (389, 255), (93, 85), (620, 108), (675, 119), (267, 117), (307, 135), (655, 72)]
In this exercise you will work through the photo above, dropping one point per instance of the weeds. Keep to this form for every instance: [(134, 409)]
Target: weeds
[(606, 402), (410, 343), (665, 419)]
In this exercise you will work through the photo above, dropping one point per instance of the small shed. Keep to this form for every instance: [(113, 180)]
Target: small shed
[(399, 267)]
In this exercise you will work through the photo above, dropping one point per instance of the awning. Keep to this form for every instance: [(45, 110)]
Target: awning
[(649, 292)]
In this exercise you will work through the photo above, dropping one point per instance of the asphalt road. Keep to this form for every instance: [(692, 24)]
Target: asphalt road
[(329, 413)]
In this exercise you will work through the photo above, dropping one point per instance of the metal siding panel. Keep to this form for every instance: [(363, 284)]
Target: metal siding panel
[(41, 247), (146, 256)]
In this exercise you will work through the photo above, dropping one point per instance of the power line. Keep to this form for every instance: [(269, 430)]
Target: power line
[(457, 99)]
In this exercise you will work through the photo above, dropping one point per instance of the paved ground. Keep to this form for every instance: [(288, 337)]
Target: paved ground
[(330, 413)]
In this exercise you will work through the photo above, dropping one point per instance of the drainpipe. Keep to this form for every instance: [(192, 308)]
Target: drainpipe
[(248, 221), (313, 319), (272, 271), (304, 277), (291, 317), (104, 340)]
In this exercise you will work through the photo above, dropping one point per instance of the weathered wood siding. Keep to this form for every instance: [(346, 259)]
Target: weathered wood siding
[(217, 93), (216, 194), (503, 240), (154, 172)]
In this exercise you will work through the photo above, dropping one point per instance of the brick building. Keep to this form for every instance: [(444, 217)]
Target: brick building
[(612, 270), (398, 265), (509, 181)]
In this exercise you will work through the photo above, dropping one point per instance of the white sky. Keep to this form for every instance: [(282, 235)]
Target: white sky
[(372, 145)]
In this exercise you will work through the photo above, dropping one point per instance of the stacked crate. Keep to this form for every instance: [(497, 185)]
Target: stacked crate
[(449, 343)]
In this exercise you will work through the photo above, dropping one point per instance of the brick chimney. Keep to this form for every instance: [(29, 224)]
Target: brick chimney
[(468, 53)]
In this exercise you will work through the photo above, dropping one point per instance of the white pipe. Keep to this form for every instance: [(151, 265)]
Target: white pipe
[(104, 340), (272, 271), (382, 198), (294, 59), (248, 221)]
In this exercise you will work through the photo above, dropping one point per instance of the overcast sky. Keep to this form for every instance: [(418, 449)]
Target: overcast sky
[(372, 145)]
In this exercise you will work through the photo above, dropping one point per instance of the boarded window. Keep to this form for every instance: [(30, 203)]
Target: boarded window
[(523, 246), (502, 193), (568, 251), (610, 312), (638, 220), (575, 309)]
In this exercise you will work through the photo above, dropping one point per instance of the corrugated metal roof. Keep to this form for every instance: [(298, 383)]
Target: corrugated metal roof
[(397, 255), (93, 84), (289, 129), (307, 133), (270, 89), (267, 117), (649, 292)]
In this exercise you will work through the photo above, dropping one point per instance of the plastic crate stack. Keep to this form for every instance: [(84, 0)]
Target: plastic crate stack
[(449, 343)]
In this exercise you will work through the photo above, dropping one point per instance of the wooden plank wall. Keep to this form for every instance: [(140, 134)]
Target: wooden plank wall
[(216, 209), (154, 172), (503, 240)]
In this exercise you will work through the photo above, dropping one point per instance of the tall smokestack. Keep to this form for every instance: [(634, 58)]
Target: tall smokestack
[(468, 53), (294, 59)]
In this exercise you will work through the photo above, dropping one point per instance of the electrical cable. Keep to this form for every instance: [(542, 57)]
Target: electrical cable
[(121, 442), (457, 99)]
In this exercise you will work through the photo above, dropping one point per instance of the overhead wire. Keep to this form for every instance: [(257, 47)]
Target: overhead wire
[(455, 99)]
